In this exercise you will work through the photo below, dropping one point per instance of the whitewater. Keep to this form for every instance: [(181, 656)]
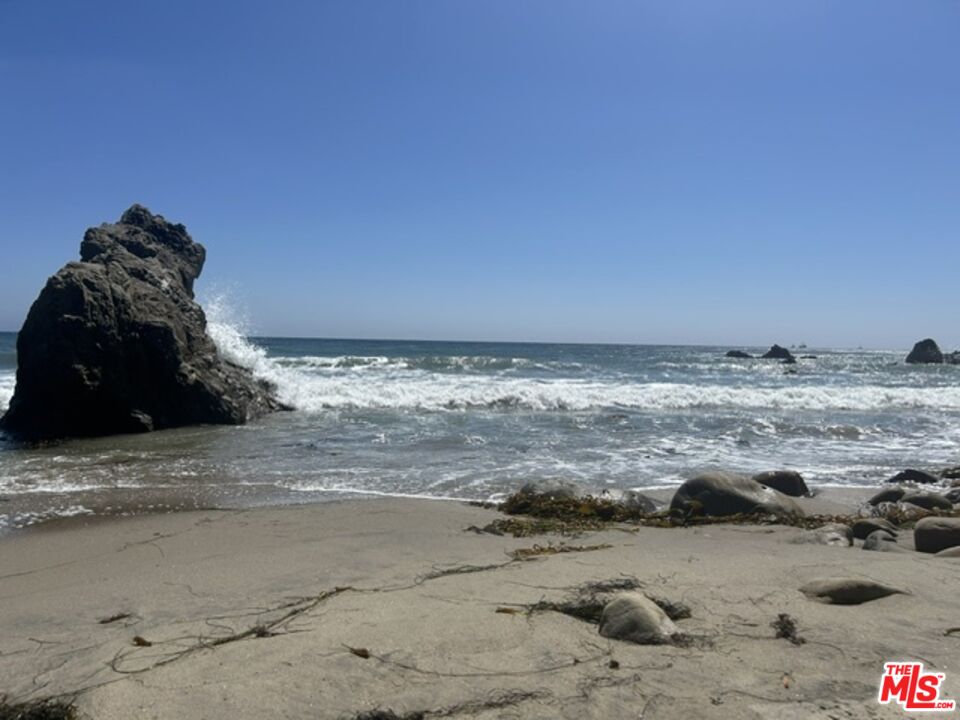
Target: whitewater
[(474, 420)]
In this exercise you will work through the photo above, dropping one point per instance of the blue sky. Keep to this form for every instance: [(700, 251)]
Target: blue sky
[(674, 171)]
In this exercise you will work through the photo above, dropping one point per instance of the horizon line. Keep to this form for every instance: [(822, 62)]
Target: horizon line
[(260, 336)]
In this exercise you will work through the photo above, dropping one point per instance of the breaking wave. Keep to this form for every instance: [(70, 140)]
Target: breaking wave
[(316, 383), (7, 383)]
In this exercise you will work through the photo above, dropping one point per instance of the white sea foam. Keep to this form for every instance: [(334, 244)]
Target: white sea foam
[(307, 384), (7, 382), (315, 391)]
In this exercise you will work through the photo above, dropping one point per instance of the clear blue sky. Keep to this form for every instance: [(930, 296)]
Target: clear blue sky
[(674, 171)]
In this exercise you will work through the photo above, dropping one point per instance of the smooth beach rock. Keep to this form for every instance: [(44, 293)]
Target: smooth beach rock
[(865, 526), (738, 354), (554, 488), (925, 352), (890, 495), (633, 617), (933, 534), (881, 541), (835, 534), (637, 501), (789, 482), (777, 353), (116, 343), (953, 552), (846, 591), (928, 501), (719, 493), (914, 476)]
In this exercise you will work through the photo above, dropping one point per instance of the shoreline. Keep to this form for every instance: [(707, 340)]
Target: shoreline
[(333, 609), (828, 499)]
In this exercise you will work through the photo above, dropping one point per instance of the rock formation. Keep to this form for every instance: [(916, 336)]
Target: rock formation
[(925, 352), (116, 343), (933, 534), (720, 493), (912, 475), (776, 352), (789, 482)]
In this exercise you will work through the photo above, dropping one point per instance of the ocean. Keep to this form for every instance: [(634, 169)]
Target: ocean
[(471, 420)]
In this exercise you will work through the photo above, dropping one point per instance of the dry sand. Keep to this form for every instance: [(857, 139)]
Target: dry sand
[(253, 614)]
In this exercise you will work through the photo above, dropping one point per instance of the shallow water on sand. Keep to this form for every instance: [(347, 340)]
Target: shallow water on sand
[(473, 420)]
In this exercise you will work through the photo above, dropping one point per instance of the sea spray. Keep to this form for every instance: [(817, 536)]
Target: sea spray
[(227, 328), (8, 382)]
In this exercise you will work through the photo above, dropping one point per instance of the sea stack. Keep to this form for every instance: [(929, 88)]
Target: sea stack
[(116, 343), (925, 352), (778, 353)]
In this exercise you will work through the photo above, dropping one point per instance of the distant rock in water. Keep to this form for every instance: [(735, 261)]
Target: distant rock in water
[(778, 353), (738, 354), (116, 343), (925, 352)]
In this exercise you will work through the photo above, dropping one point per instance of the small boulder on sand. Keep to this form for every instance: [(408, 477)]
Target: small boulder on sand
[(864, 527), (720, 494), (914, 476), (789, 482), (634, 617), (890, 495), (846, 591), (928, 501), (933, 534), (882, 541), (635, 500), (836, 534), (553, 488)]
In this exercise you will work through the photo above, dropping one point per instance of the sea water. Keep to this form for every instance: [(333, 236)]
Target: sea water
[(473, 420)]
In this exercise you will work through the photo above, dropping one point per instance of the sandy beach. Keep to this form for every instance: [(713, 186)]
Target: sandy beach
[(338, 609)]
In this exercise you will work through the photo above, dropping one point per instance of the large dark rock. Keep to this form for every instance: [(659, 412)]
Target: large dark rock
[(720, 493), (116, 343), (913, 476), (738, 354), (891, 495), (778, 353), (925, 352), (789, 482), (864, 527), (933, 534), (928, 501)]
